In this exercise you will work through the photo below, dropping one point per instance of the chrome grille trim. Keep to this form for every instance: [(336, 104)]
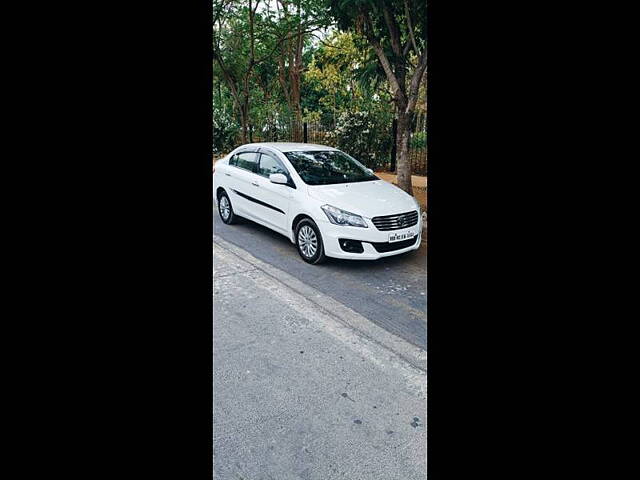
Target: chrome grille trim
[(396, 222)]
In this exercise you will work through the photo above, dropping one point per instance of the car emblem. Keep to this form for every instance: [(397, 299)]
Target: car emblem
[(402, 221)]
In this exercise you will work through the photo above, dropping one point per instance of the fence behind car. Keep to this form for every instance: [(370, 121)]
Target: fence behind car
[(371, 143)]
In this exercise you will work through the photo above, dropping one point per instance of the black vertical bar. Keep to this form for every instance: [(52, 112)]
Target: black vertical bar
[(394, 132), (305, 132), (251, 133)]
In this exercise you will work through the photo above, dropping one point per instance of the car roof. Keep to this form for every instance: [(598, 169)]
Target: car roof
[(289, 146)]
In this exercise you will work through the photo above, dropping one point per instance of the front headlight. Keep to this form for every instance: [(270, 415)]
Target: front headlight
[(340, 217)]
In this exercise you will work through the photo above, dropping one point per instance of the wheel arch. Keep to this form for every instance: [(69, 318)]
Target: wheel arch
[(296, 221)]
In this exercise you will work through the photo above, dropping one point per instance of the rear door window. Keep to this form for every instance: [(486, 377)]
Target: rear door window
[(247, 161)]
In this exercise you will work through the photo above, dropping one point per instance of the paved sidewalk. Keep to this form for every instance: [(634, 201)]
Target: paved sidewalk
[(300, 395)]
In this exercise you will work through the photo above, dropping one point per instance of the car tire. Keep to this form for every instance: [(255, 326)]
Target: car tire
[(225, 209), (309, 242)]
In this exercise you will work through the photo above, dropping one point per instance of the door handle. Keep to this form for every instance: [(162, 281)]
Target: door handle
[(227, 174), (256, 184)]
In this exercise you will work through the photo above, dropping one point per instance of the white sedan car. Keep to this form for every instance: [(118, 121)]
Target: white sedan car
[(323, 200)]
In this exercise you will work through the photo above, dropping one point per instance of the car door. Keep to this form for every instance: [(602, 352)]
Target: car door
[(274, 198), (240, 177)]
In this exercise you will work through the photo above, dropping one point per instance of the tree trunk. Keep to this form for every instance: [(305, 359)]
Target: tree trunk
[(295, 101), (404, 96), (403, 163), (291, 51), (295, 78), (244, 120)]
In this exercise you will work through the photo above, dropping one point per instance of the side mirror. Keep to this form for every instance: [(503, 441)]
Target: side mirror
[(370, 171), (278, 178)]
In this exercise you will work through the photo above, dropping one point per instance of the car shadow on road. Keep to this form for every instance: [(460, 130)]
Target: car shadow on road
[(393, 261)]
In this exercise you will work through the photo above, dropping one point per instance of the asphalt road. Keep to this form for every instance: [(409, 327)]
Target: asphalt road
[(298, 394), (391, 292)]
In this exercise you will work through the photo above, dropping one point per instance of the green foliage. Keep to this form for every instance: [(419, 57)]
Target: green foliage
[(419, 140), (225, 131), (339, 79), (344, 92), (364, 137), (347, 15)]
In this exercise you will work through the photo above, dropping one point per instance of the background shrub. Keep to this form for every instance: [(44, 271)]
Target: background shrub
[(356, 133)]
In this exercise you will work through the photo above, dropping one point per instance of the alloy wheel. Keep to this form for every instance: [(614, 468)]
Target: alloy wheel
[(307, 241), (225, 209)]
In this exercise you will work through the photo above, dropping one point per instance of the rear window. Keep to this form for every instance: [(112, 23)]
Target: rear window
[(246, 160)]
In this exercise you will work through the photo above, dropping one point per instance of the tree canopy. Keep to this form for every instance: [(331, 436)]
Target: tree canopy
[(347, 67)]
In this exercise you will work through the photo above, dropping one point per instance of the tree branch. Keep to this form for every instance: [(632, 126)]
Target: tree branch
[(407, 14), (325, 43), (415, 82), (227, 76), (218, 11), (277, 45), (384, 61), (394, 31), (406, 48), (252, 37)]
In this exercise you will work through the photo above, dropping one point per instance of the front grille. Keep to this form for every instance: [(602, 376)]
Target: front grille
[(383, 247), (396, 222)]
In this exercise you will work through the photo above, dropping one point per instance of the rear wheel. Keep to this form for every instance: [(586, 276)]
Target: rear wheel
[(225, 209), (309, 242)]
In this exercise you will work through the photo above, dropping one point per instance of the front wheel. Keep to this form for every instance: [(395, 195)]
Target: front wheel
[(309, 242)]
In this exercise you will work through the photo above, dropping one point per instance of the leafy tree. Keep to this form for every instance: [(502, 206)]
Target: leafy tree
[(225, 130), (236, 58), (354, 135), (293, 23), (341, 75), (250, 37), (274, 68), (396, 31)]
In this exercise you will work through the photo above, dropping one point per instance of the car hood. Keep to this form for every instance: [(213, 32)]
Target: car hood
[(369, 199)]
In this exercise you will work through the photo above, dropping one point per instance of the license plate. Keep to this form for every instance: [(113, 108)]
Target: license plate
[(398, 237)]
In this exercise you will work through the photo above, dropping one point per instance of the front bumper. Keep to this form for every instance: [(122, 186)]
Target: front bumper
[(332, 234)]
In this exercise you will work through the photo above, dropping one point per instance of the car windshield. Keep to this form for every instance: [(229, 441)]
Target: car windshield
[(328, 167)]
